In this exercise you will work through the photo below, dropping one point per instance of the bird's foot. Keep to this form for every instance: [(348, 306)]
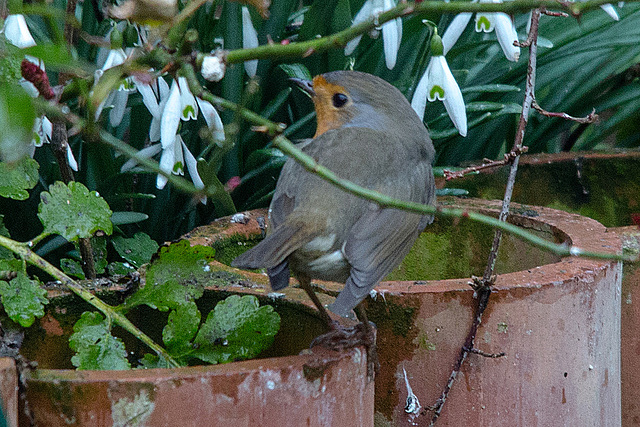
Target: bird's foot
[(340, 338)]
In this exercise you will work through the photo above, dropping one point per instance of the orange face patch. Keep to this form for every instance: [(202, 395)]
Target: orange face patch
[(329, 117)]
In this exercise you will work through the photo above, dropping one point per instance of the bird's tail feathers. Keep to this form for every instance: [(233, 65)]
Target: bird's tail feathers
[(276, 247)]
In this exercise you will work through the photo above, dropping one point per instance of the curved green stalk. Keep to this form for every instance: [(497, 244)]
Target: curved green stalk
[(119, 319)]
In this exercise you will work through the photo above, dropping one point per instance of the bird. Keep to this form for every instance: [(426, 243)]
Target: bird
[(366, 133)]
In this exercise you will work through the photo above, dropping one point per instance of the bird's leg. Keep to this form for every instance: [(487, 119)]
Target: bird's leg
[(339, 337), (369, 341), (305, 283)]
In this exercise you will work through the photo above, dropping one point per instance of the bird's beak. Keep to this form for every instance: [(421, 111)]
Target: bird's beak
[(305, 85)]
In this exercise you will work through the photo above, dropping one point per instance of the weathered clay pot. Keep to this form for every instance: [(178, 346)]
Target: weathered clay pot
[(557, 320), (331, 387), (602, 186)]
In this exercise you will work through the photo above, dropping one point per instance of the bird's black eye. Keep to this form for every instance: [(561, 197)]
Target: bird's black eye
[(339, 99)]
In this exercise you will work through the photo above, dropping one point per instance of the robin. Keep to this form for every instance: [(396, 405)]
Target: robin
[(367, 133)]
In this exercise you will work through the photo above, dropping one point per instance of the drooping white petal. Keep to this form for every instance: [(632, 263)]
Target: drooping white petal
[(192, 168), (47, 129), (187, 101), (154, 128), (249, 40), (42, 130), (211, 116), (114, 58), (148, 97), (419, 100), (17, 32), (71, 159), (455, 30), (352, 44), (146, 153), (507, 35), (178, 157), (161, 88), (119, 107), (391, 37), (170, 117), (443, 86), (610, 11), (166, 165)]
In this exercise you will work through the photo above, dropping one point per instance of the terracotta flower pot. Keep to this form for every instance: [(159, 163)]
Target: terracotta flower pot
[(557, 320), (331, 387), (602, 186)]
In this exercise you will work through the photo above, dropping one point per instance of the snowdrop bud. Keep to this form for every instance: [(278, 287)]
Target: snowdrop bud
[(213, 68)]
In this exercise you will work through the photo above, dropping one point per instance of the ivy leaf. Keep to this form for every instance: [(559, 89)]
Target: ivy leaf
[(16, 178), (73, 211), (175, 277), (137, 250), (181, 328), (23, 299), (237, 328), (94, 345)]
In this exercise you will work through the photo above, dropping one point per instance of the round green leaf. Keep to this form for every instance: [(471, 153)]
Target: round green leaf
[(73, 211)]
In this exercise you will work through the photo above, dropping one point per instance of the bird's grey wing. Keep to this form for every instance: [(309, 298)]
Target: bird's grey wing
[(282, 238), (377, 244), (381, 238)]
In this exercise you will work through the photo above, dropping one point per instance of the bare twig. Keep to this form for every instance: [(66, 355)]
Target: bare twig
[(484, 354), (592, 117), (508, 158), (482, 286)]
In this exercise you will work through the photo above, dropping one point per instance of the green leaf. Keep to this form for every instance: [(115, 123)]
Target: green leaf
[(297, 71), (23, 299), (452, 192), (57, 57), (181, 328), (94, 345), (17, 116), (73, 211), (122, 218), (152, 361), (16, 178), (492, 88), (119, 269), (137, 250), (72, 268), (175, 277), (237, 328)]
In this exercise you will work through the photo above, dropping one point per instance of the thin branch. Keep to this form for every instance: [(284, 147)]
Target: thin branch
[(592, 117), (482, 286), (118, 318), (508, 158), (340, 39)]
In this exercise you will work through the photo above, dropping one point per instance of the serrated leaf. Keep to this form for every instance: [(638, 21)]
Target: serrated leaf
[(16, 178), (237, 328), (73, 211), (137, 250), (72, 268), (181, 328), (23, 299), (175, 277), (94, 345)]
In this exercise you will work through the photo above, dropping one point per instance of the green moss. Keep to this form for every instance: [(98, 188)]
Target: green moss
[(229, 248)]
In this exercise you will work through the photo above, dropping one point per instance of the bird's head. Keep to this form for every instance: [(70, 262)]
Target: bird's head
[(356, 99)]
